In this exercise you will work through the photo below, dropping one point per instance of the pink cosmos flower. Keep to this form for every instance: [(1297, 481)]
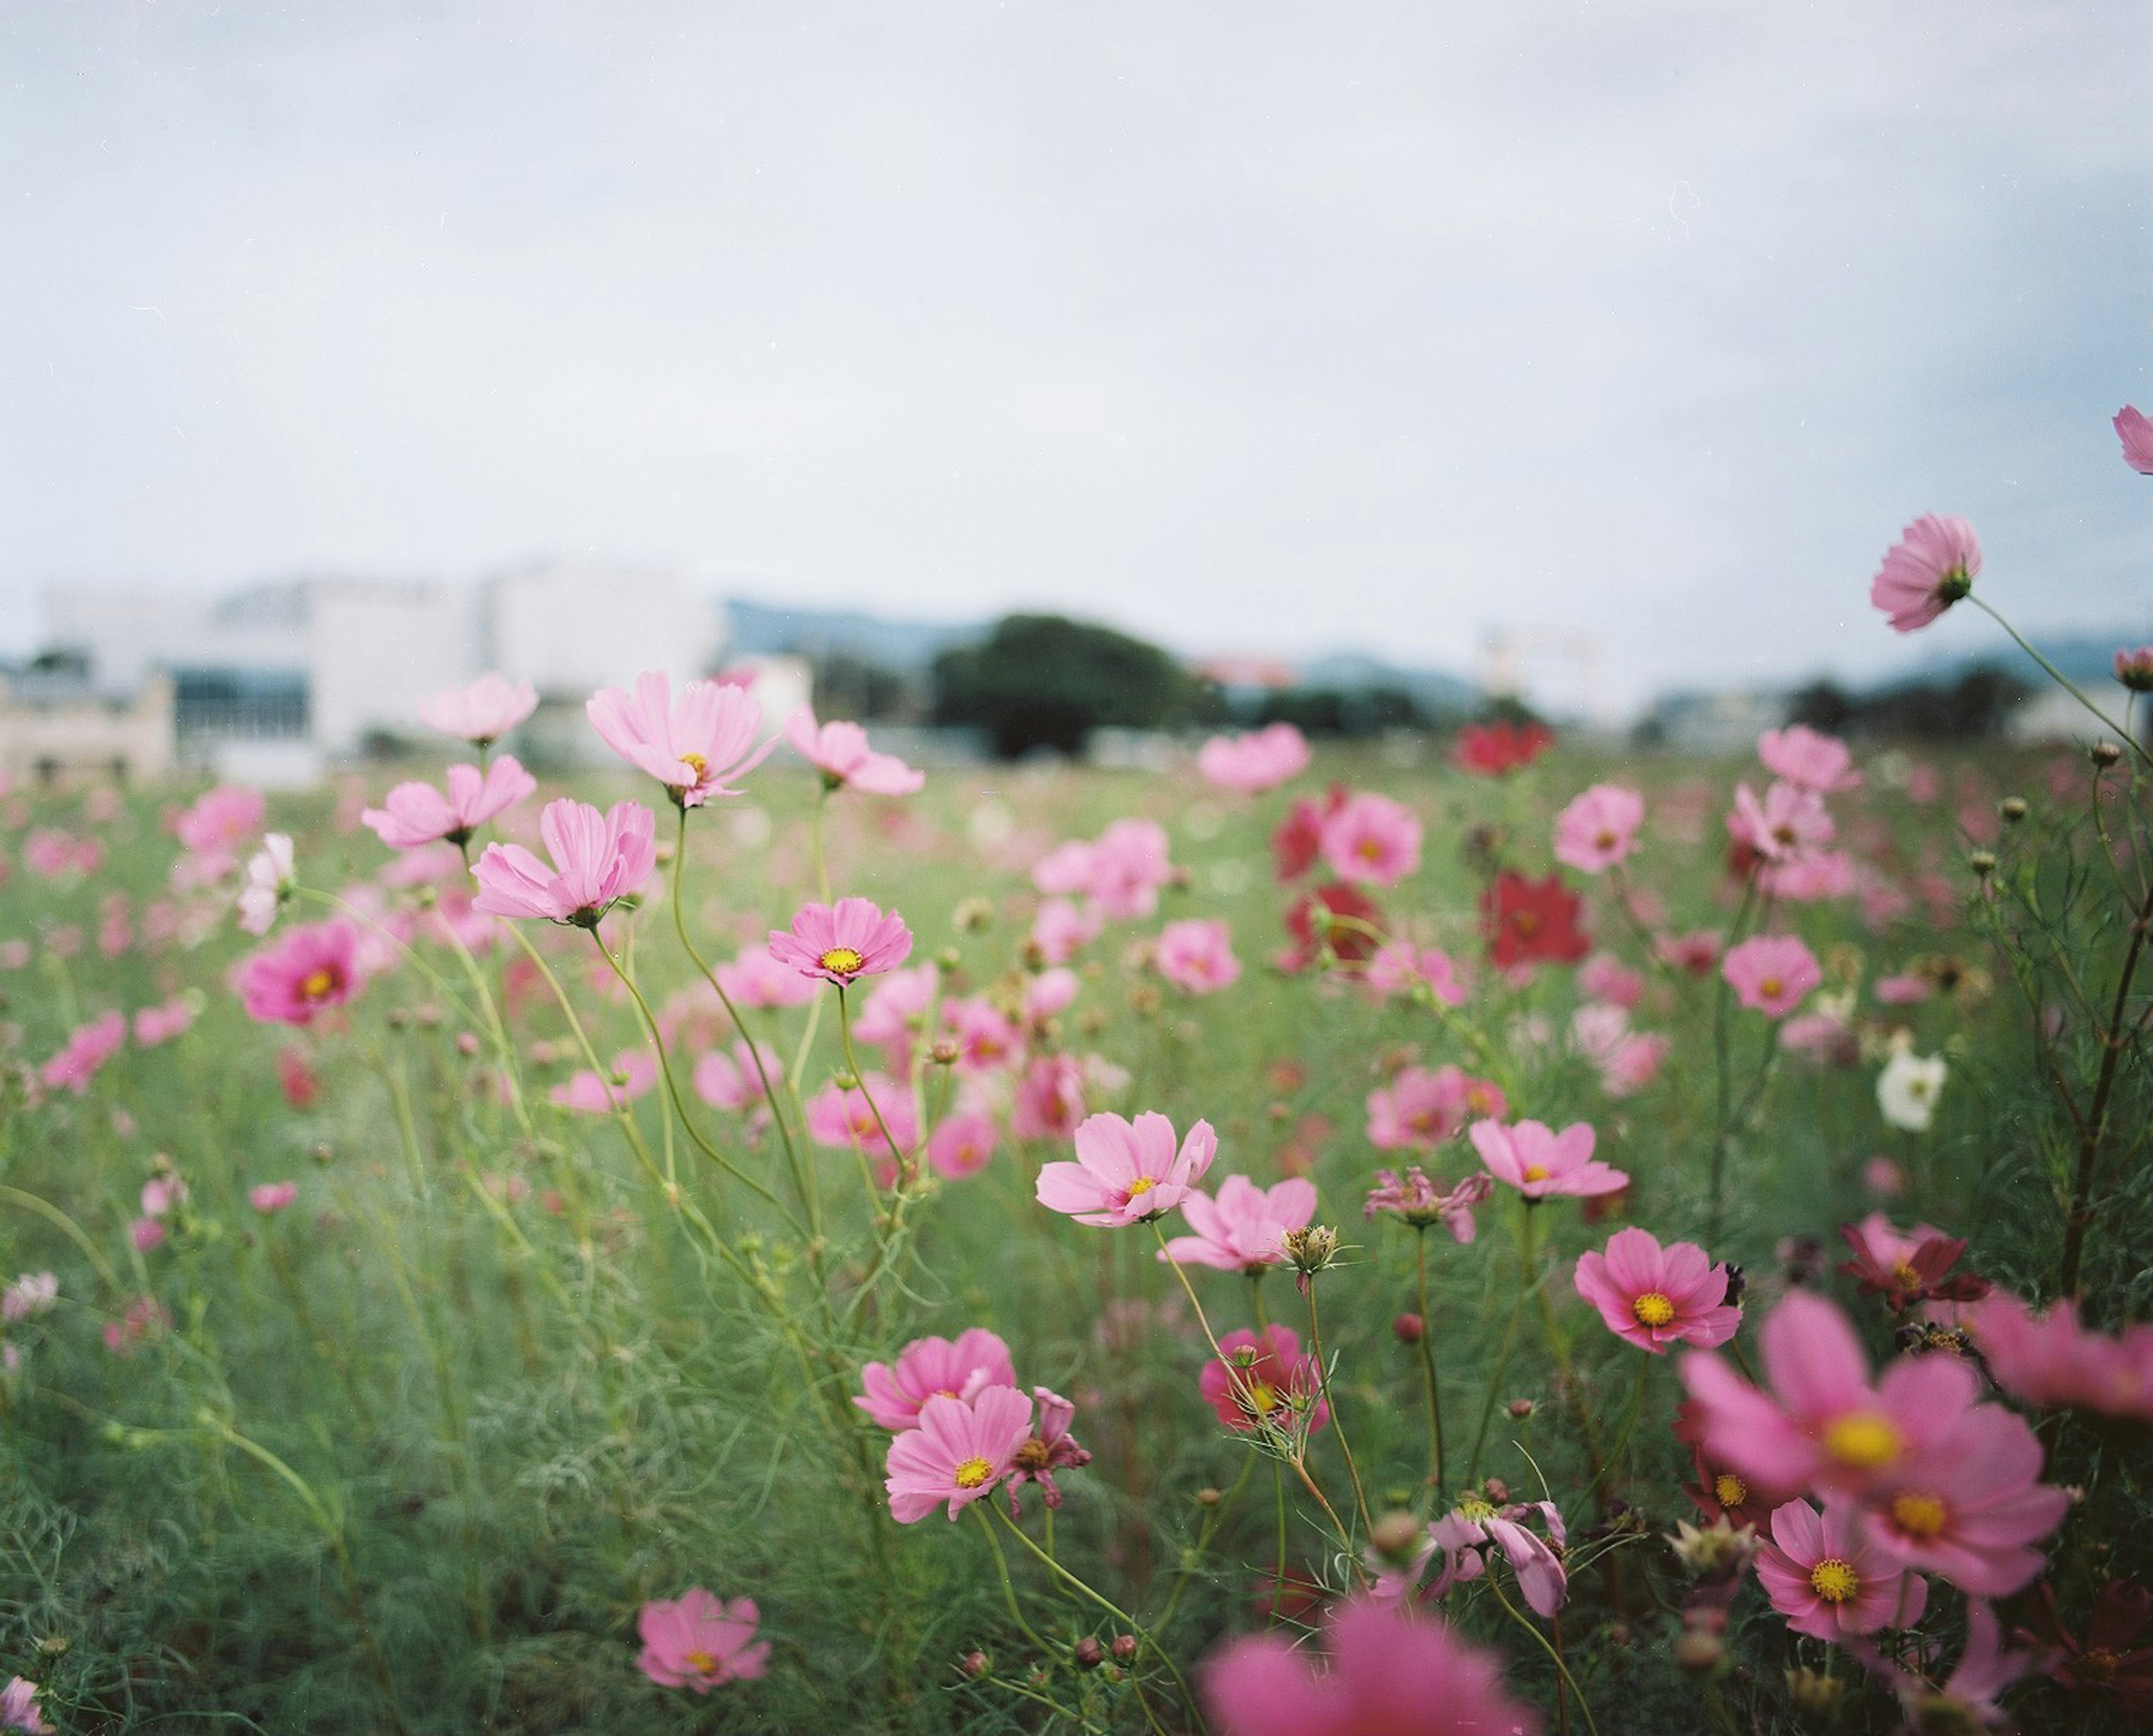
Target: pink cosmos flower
[(1600, 829), (1390, 1671), (1063, 929), (1419, 1110), (1244, 1228), (843, 941), (1825, 1577), (1772, 974), (2137, 434), (986, 1040), (219, 823), (269, 881), (1933, 564), (1197, 954), (1809, 761), (1265, 1380), (1400, 968), (1049, 1449), (481, 713), (1127, 1173), (635, 1070), (2051, 1359), (1050, 1098), (727, 1079), (839, 753), (961, 1369), (1464, 1535), (691, 745), (1421, 1202), (1908, 1267), (598, 860), (88, 1050), (1654, 1296), (1540, 1163), (1626, 1060), (842, 1117), (1824, 1425), (272, 1196), (31, 1293), (700, 1642), (755, 979), (1604, 977), (416, 813), (1907, 989), (1253, 763), (895, 1012), (961, 1144), (314, 967), (1047, 993), (2133, 669), (959, 1453), (1971, 1506), (1788, 822), (1811, 879), (1967, 1699), (19, 1710), (1121, 872), (1373, 839)]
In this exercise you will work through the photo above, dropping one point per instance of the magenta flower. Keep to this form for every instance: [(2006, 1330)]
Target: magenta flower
[(961, 1144), (840, 943), (481, 713), (1655, 1296), (1419, 1110), (1932, 565), (598, 860), (1127, 1173), (701, 1642), (1401, 968), (2137, 434), (839, 753), (1908, 1267), (1600, 829), (1421, 1202), (88, 1050), (1540, 1163), (1253, 763), (1049, 1449), (1465, 1534), (1372, 839), (691, 745), (975, 1359), (412, 814), (1772, 974), (1825, 1578), (842, 1117), (1197, 954), (1244, 1229), (959, 1453), (314, 967), (2050, 1359), (1788, 823), (219, 823), (1389, 1671), (1809, 761), (1970, 1506), (1265, 1380), (272, 1196), (1823, 1425)]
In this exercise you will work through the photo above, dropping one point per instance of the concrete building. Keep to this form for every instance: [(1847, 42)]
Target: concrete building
[(55, 723)]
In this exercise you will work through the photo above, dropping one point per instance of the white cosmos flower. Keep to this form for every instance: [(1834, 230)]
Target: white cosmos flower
[(1908, 1087)]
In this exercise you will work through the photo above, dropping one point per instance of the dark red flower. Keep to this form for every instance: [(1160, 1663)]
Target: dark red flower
[(2102, 1661), (1299, 840), (1717, 1490), (1905, 1268), (1527, 921), (297, 1078), (1351, 942), (1494, 750)]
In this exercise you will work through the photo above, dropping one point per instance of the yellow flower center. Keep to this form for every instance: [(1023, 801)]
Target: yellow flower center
[(1771, 988), (1371, 849), (1604, 840), (1476, 1510), (1652, 1309), (972, 1472), (1833, 1580), (1141, 1184), (842, 960), (1259, 1398), (1920, 1515), (702, 1662), (1536, 1171), (1863, 1440), (1729, 1490), (1905, 1277), (2098, 1665), (317, 984)]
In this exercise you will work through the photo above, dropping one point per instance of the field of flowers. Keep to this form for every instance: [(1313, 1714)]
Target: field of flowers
[(1462, 1237)]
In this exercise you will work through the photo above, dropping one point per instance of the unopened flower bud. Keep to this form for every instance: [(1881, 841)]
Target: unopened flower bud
[(1497, 1491), (1720, 1551), (2106, 753), (54, 1645), (974, 1665), (1089, 1653), (1982, 863), (1207, 1497), (1144, 1000), (466, 1042), (398, 1018), (1396, 1537), (949, 958), (1522, 1409), (1814, 1694), (974, 916), (1311, 1250), (2011, 809), (1698, 1652), (1124, 1646), (1409, 1328), (945, 1052)]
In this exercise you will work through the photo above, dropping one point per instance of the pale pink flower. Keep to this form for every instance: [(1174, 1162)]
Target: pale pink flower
[(1390, 1672), (162, 1194), (88, 1048), (481, 713), (1801, 756), (1421, 1202), (1465, 1534), (1932, 565), (958, 1453), (1400, 968), (1626, 1060), (269, 883), (1120, 872), (1813, 877), (1062, 928), (2137, 434), (1372, 839), (1654, 1296), (1540, 1163), (842, 1117), (1772, 974), (1787, 823), (755, 979), (1905, 990), (19, 1710), (1604, 977), (1243, 1229), (961, 1144), (1049, 1449), (1264, 1380), (1822, 1574), (598, 859), (726, 1079), (960, 1368), (840, 753), (843, 941), (1253, 763), (1599, 828), (1050, 1098), (1047, 993), (1197, 954), (31, 1293), (1419, 1110), (691, 745), (1127, 1173), (895, 1011), (272, 1196), (2051, 1359), (700, 1642), (416, 813), (213, 829), (635, 1070), (147, 1234)]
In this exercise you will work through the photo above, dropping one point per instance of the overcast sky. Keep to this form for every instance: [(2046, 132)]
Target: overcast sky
[(1249, 326)]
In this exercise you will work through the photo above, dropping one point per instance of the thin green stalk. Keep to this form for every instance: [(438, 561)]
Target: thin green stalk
[(1435, 1469), (1337, 1421), (1002, 1572), (1509, 1345), (1554, 1657), (2059, 678)]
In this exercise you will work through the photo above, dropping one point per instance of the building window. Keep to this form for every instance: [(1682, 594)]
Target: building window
[(242, 704)]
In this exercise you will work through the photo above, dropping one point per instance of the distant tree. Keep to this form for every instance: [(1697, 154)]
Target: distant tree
[(850, 686), (1823, 705), (1046, 681), (1356, 712)]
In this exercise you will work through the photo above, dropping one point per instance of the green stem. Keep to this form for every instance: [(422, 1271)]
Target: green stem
[(1435, 1468), (1554, 1657), (2060, 679), (1509, 1345), (1337, 1421)]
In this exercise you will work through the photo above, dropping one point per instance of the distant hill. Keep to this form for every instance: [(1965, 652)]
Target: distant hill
[(908, 647), (1435, 691)]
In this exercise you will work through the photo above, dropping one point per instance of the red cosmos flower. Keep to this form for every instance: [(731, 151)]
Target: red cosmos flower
[(1907, 1268), (1494, 750), (1299, 840), (1717, 1490), (2104, 1661), (1352, 943), (1529, 920)]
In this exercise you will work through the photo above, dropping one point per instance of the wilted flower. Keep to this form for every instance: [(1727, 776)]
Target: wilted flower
[(1421, 1202)]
